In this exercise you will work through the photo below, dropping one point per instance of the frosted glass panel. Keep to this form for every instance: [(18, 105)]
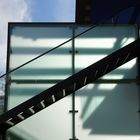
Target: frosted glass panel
[(102, 41), (22, 92), (51, 123), (106, 111), (26, 43), (29, 42)]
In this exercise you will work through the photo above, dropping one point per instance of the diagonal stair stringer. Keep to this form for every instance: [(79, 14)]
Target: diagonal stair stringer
[(69, 85)]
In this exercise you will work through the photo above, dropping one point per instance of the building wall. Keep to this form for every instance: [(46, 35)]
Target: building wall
[(109, 12)]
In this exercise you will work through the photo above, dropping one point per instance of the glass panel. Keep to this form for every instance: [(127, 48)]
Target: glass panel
[(106, 111), (29, 42), (26, 43), (102, 41), (19, 93), (46, 124)]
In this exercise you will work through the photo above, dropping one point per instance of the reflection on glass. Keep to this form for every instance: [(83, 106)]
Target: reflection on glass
[(96, 43), (106, 109)]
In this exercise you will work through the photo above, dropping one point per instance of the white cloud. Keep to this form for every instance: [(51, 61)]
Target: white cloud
[(10, 11)]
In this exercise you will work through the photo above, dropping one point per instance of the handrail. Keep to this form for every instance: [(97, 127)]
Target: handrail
[(48, 51)]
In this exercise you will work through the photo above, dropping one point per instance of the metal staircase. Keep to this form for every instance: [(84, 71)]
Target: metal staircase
[(68, 86)]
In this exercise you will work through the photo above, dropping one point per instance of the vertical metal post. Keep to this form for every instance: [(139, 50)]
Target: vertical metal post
[(7, 69), (73, 111)]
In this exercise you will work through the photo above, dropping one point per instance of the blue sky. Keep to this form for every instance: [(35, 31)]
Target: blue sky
[(53, 10), (32, 11)]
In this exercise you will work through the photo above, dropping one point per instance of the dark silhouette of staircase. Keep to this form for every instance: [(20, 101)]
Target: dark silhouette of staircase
[(69, 85)]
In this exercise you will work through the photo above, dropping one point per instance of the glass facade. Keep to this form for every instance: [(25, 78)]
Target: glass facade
[(105, 110)]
